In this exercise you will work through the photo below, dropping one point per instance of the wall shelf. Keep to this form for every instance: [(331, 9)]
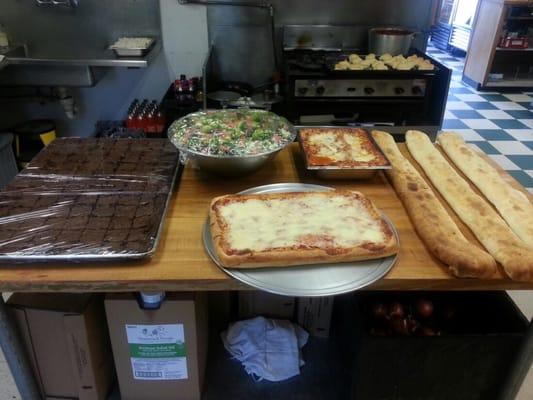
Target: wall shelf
[(511, 49), (510, 83), (84, 58)]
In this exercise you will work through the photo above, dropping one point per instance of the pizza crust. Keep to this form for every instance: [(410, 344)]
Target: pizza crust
[(287, 256), (489, 228), (513, 205), (431, 220)]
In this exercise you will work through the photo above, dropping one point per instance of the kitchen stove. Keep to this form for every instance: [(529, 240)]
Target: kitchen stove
[(399, 100)]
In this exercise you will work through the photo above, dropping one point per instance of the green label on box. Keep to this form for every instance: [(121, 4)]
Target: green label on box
[(157, 352)]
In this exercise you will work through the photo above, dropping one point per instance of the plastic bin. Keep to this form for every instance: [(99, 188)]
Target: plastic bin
[(468, 361), (8, 163)]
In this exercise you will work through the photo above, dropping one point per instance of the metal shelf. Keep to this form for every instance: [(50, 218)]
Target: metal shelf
[(511, 49), (80, 58), (511, 83)]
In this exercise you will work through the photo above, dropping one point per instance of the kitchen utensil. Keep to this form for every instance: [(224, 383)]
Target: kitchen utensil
[(306, 280), (393, 41)]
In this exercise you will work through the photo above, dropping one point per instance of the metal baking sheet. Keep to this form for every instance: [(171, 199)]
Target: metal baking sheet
[(65, 187), (332, 60), (132, 51), (335, 172), (306, 280)]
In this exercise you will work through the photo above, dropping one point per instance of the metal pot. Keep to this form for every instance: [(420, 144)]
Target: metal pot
[(394, 41)]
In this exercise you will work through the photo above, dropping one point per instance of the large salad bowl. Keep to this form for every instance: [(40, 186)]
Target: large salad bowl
[(230, 142)]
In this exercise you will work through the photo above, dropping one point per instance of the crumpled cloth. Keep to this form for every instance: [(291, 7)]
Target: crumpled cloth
[(267, 348)]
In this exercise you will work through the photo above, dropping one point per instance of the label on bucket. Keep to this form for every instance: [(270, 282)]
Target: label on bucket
[(157, 352)]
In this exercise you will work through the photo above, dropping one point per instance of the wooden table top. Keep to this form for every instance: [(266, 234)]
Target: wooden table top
[(180, 262)]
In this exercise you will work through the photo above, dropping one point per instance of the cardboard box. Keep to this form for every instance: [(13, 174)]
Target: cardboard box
[(314, 315), (255, 303), (67, 342), (159, 354)]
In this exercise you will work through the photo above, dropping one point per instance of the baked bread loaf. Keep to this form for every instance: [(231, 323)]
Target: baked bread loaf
[(512, 204), (281, 229), (489, 228), (431, 220)]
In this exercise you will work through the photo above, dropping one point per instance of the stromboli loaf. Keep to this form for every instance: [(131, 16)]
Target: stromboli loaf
[(282, 229), (430, 219), (489, 228), (513, 205)]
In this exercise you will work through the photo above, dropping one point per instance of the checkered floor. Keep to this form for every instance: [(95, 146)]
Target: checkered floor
[(500, 124)]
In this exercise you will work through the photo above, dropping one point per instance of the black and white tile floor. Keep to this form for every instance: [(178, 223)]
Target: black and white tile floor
[(500, 124)]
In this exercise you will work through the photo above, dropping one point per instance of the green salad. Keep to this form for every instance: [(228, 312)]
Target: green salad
[(231, 132)]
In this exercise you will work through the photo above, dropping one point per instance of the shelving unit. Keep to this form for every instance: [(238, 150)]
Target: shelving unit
[(485, 57)]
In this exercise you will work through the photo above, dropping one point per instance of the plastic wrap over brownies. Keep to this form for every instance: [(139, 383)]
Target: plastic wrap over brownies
[(88, 199)]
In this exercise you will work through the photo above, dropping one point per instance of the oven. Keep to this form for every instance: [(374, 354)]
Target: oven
[(392, 100)]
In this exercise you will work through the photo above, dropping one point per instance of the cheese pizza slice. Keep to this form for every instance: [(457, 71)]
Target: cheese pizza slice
[(340, 147), (282, 229)]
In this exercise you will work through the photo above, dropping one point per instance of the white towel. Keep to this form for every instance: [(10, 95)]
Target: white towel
[(267, 348)]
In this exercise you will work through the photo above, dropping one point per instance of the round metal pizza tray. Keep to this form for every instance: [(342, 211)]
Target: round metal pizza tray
[(306, 280)]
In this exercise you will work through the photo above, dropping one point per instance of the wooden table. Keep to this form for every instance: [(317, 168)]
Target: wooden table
[(180, 262)]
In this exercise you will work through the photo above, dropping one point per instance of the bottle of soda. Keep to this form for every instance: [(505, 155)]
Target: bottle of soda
[(160, 121)]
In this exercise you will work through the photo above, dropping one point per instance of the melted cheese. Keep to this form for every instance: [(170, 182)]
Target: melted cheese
[(350, 147), (328, 146), (261, 224), (357, 151)]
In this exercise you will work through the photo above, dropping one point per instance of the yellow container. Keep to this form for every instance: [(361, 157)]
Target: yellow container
[(31, 137)]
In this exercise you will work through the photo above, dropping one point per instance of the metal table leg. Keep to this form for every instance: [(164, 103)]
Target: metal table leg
[(520, 367), (16, 357)]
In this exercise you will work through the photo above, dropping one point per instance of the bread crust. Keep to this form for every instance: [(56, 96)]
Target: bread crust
[(314, 160), (287, 256), (431, 220), (513, 205), (489, 228)]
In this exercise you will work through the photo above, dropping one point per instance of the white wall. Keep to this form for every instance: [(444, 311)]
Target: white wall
[(184, 30)]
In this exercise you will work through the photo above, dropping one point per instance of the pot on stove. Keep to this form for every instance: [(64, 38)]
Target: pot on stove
[(394, 41)]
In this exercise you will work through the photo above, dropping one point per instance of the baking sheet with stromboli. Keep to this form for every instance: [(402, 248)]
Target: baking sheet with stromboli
[(88, 199)]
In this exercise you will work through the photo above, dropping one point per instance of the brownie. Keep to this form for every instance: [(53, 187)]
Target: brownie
[(5, 235), (116, 235), (93, 235), (104, 211), (88, 196), (69, 236), (120, 223), (96, 222), (143, 222), (145, 209), (80, 210), (75, 223), (139, 235), (106, 200), (125, 211), (55, 222), (45, 238), (128, 200), (137, 247)]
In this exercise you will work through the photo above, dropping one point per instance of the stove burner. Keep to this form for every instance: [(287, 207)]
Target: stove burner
[(307, 62)]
